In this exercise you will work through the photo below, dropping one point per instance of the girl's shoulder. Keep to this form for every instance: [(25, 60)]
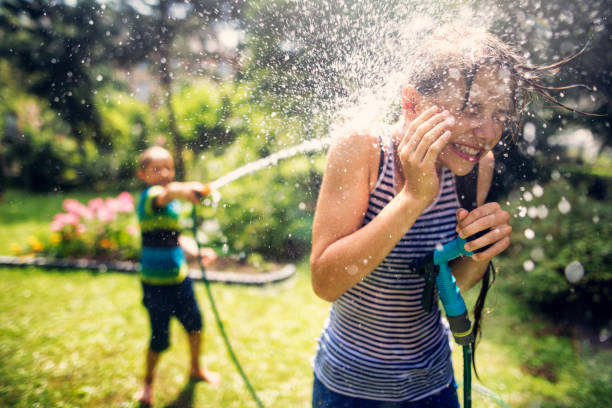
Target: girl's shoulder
[(357, 151), (358, 142)]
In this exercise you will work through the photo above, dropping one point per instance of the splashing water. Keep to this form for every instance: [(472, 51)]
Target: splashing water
[(574, 272), (345, 61), (306, 147)]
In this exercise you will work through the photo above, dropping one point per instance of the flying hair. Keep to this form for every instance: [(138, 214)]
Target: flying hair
[(455, 50)]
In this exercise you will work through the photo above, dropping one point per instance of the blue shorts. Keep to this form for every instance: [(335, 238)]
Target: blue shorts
[(163, 302), (323, 397)]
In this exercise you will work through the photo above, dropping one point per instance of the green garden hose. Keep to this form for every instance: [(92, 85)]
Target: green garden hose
[(230, 350)]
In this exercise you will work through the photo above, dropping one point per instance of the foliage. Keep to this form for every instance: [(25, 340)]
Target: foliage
[(554, 225), (102, 229), (59, 48), (269, 212), (40, 154)]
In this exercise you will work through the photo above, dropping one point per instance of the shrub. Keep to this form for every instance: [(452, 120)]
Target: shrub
[(560, 260), (102, 229)]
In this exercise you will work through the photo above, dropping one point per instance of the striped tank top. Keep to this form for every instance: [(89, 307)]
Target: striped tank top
[(378, 343)]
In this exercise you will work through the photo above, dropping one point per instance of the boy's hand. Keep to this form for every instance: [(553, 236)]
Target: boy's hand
[(193, 191), (491, 217), (189, 190), (208, 256)]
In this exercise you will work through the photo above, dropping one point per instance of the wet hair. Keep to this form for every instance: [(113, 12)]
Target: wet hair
[(152, 153), (457, 51)]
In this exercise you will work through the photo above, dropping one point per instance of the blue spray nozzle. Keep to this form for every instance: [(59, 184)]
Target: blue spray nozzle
[(453, 302), (450, 251)]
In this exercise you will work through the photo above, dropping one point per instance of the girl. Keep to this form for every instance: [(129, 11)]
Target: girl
[(387, 199)]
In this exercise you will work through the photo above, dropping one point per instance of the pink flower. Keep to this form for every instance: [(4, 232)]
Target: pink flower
[(126, 202), (56, 226), (112, 204), (105, 214), (132, 229), (60, 220), (74, 207), (96, 203), (81, 229)]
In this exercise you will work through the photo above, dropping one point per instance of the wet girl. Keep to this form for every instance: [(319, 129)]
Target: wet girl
[(388, 198)]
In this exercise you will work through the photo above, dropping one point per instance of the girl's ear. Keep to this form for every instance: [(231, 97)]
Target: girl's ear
[(410, 101)]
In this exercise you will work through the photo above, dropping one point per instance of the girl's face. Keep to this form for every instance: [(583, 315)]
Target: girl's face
[(478, 127)]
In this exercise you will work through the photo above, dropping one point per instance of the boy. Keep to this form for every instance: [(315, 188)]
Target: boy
[(167, 288)]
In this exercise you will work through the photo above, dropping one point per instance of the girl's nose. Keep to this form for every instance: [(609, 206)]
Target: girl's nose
[(487, 130)]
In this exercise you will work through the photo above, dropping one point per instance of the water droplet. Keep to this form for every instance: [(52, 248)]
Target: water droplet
[(537, 254), (564, 206), (532, 212), (555, 175), (529, 233), (542, 211), (537, 190), (528, 265), (574, 272)]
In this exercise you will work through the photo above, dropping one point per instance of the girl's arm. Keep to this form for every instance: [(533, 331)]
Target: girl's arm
[(469, 270), (343, 251)]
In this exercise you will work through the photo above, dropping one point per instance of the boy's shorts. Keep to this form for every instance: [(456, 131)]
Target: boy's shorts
[(165, 301)]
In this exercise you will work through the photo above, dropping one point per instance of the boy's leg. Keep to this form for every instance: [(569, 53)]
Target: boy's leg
[(188, 313), (197, 372), (146, 393), (155, 301)]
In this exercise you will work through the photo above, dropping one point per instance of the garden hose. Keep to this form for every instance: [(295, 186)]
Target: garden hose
[(230, 350), (455, 309)]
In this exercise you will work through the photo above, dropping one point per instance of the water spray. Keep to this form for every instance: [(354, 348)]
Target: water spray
[(306, 147)]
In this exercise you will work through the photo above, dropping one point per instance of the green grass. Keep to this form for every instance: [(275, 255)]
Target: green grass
[(77, 339)]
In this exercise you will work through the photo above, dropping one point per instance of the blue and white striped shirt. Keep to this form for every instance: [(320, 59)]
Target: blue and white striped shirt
[(378, 343)]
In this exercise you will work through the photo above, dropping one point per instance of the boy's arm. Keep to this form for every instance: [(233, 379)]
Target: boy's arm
[(189, 245), (190, 248), (189, 190)]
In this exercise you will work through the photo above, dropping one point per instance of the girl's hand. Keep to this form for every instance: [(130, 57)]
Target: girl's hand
[(491, 217), (418, 150)]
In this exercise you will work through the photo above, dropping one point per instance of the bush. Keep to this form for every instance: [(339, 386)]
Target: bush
[(104, 229), (561, 259)]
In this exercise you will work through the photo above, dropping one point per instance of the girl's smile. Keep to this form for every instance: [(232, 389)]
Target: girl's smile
[(466, 152)]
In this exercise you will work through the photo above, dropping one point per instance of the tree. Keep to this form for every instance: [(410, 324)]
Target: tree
[(59, 48), (151, 36)]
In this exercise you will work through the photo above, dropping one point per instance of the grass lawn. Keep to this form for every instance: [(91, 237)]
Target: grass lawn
[(77, 339)]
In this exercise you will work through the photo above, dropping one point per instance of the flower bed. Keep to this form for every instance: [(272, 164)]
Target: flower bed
[(104, 235), (102, 229)]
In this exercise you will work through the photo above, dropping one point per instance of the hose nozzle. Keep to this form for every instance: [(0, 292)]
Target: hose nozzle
[(205, 191)]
